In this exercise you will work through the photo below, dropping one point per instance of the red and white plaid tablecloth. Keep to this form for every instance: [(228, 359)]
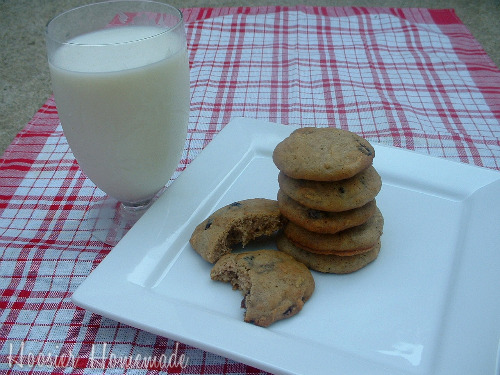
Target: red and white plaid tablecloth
[(412, 78)]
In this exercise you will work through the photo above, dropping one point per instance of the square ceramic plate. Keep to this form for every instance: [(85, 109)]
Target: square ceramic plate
[(428, 305)]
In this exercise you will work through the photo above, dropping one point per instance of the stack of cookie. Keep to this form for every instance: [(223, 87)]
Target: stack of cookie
[(327, 192)]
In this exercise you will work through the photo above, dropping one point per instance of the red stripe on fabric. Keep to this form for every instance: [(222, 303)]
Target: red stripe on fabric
[(330, 84), (285, 76), (239, 28), (19, 160), (275, 68), (23, 168), (444, 16), (37, 134), (216, 114)]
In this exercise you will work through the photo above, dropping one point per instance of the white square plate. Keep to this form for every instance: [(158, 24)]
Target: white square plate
[(430, 303)]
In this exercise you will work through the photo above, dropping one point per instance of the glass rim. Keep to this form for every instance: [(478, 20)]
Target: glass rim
[(161, 31)]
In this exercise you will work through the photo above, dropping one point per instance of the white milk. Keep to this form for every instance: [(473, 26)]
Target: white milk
[(124, 108)]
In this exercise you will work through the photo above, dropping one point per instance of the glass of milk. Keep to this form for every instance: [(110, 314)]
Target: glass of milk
[(120, 76)]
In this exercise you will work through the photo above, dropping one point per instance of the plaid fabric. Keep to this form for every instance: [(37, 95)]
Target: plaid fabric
[(412, 78)]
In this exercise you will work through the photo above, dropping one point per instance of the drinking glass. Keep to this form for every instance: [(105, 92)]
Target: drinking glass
[(120, 76)]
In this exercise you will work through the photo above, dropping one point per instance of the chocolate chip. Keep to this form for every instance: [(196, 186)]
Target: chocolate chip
[(315, 214), (365, 149), (263, 268), (235, 204), (244, 300), (249, 259), (289, 310), (342, 190), (208, 224)]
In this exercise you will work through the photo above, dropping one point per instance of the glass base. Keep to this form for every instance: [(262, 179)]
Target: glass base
[(109, 220)]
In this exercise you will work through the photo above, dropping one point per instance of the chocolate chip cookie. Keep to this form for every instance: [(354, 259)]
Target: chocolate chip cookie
[(323, 221), (275, 286), (328, 263), (360, 237), (323, 154), (238, 222), (334, 196)]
